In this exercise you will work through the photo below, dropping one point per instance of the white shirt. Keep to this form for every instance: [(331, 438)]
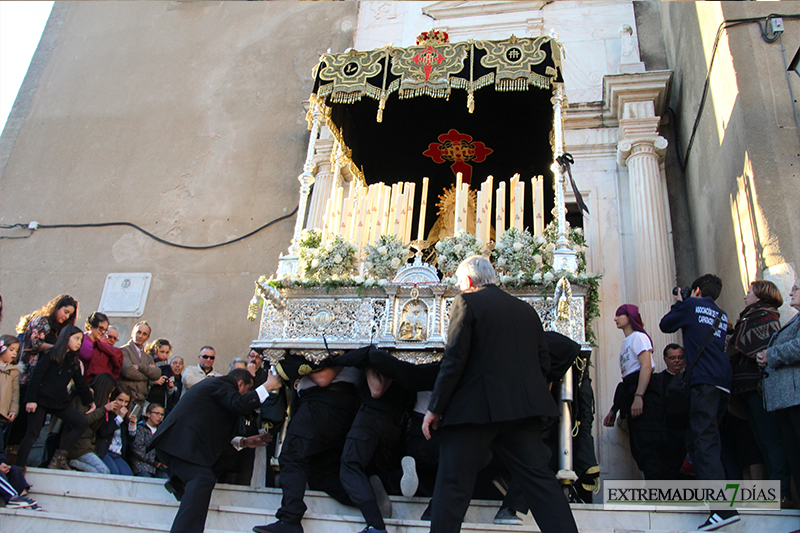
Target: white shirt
[(634, 344)]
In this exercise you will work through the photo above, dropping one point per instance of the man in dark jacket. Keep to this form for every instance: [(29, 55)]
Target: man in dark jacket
[(710, 381), (491, 390), (199, 431)]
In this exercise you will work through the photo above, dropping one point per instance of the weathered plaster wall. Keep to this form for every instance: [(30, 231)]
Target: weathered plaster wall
[(741, 175), (183, 118)]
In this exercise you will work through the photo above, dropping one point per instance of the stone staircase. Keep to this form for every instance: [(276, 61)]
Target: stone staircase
[(88, 503)]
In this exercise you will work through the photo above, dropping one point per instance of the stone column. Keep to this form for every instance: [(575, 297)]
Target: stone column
[(641, 149)]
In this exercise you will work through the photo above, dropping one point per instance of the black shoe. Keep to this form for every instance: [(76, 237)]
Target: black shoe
[(176, 487), (719, 519), (279, 527), (370, 529), (507, 516), (384, 503)]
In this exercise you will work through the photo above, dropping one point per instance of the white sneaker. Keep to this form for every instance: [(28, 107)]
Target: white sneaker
[(409, 482)]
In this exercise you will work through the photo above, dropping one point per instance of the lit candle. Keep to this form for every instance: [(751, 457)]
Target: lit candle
[(423, 207)]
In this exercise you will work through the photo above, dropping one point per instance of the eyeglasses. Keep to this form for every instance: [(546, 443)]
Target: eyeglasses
[(112, 337), (101, 329), (156, 413), (208, 357)]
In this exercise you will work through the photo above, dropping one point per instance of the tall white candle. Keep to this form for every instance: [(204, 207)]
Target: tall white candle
[(326, 221), (347, 219), (500, 210), (538, 208), (520, 214), (423, 209), (463, 206), (480, 215), (362, 211), (411, 192)]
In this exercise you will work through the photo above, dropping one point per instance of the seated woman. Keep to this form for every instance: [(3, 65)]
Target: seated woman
[(144, 463), (82, 455), (115, 433)]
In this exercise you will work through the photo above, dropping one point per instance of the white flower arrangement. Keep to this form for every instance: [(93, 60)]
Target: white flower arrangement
[(335, 258), (383, 260), (518, 252), (450, 252), (577, 242)]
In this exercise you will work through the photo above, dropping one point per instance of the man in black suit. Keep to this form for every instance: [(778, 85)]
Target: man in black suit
[(491, 390), (197, 436)]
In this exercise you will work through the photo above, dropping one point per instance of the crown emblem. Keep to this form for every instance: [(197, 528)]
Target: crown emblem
[(433, 37)]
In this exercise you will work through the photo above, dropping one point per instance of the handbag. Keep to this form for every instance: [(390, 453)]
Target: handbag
[(677, 392)]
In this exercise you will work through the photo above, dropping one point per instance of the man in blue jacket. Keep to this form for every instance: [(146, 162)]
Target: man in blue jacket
[(710, 381)]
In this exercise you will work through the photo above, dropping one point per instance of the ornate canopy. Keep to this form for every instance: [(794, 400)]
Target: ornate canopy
[(476, 107)]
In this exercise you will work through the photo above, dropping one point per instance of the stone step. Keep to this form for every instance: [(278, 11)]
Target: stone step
[(141, 504)]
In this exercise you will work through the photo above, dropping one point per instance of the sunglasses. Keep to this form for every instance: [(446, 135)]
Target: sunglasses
[(208, 357)]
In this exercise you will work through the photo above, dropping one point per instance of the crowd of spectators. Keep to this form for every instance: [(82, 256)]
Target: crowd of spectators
[(738, 417), (738, 414), (101, 403)]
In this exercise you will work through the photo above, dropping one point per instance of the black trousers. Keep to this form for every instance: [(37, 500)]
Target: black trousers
[(76, 424), (519, 444), (374, 438), (312, 450), (199, 484), (708, 405)]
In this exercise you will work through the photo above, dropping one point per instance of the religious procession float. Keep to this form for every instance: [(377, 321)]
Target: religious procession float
[(419, 157)]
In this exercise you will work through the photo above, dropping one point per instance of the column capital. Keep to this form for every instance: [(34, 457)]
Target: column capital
[(640, 144)]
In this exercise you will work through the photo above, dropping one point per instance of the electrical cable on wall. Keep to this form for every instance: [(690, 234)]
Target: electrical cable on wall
[(767, 35), (33, 226)]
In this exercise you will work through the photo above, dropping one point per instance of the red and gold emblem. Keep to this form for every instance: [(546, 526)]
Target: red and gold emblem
[(461, 150)]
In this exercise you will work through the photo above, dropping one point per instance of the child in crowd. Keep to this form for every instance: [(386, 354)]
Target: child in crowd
[(9, 384), (14, 487), (144, 463), (115, 433)]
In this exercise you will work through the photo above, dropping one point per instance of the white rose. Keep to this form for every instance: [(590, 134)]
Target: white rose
[(358, 279), (517, 246), (537, 259), (328, 246), (382, 250), (370, 282), (315, 263), (550, 247), (396, 262), (499, 246), (479, 242), (367, 265), (537, 276), (501, 261), (337, 258), (579, 231), (438, 246), (382, 282), (458, 248), (549, 276), (506, 279)]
